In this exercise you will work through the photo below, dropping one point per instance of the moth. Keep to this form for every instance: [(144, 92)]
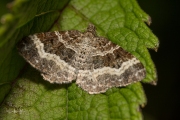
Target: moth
[(94, 62)]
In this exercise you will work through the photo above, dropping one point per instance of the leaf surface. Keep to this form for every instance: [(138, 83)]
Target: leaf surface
[(30, 97)]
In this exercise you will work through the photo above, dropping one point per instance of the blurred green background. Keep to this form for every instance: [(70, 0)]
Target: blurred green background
[(163, 99), (3, 7)]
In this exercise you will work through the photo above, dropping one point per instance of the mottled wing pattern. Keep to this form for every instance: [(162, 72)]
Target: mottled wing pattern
[(94, 62), (46, 53)]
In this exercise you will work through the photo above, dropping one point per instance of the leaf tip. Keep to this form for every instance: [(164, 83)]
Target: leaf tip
[(149, 20)]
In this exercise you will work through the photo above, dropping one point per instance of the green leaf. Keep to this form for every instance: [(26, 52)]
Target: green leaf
[(30, 97)]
